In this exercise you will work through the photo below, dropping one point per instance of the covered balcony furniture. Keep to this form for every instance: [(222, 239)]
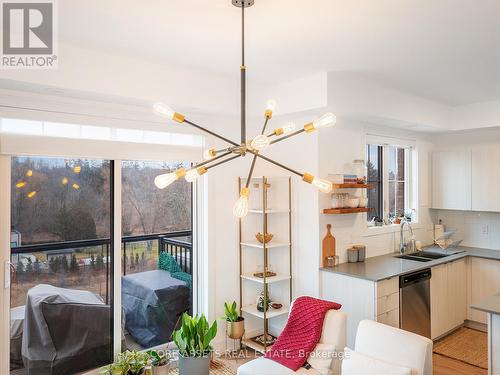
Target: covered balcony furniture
[(333, 334), (65, 331), (16, 336), (382, 346), (153, 302)]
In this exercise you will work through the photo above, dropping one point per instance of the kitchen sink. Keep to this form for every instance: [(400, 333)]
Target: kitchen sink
[(422, 256)]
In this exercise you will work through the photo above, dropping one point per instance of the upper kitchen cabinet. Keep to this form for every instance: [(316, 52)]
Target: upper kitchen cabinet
[(451, 180), (485, 179)]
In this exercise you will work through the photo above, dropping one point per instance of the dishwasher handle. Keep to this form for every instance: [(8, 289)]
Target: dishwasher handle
[(414, 278)]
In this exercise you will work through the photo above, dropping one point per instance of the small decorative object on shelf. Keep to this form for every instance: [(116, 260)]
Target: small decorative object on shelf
[(352, 255), (264, 238), (361, 171), (263, 301)]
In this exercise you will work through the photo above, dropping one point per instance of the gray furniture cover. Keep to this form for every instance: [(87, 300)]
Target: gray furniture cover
[(153, 301), (65, 331)]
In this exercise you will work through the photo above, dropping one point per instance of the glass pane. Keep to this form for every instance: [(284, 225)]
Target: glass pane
[(61, 263), (400, 198), (392, 199), (373, 163), (156, 251), (374, 202), (401, 164)]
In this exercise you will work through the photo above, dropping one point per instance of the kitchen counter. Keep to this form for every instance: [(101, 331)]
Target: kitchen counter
[(490, 305), (387, 266)]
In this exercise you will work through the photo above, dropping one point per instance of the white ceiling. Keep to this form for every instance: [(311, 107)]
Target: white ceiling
[(444, 50)]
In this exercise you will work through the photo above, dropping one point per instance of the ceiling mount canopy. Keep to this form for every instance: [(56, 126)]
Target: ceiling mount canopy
[(253, 147)]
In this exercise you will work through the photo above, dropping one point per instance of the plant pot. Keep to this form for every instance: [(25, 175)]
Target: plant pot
[(161, 370), (194, 365), (235, 330)]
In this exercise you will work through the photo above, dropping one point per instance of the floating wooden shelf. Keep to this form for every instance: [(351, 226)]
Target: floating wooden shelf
[(341, 211), (352, 186)]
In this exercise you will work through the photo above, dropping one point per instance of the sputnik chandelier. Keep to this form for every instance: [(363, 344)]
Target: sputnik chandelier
[(253, 147)]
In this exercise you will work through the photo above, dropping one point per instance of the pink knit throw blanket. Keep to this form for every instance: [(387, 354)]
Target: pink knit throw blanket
[(302, 332)]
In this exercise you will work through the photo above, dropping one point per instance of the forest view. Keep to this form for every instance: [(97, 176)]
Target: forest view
[(69, 199)]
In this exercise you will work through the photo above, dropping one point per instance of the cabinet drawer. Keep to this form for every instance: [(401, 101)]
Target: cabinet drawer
[(391, 318), (387, 303), (386, 287)]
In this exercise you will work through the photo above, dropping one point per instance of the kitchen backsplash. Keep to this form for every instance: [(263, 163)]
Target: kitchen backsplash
[(477, 229)]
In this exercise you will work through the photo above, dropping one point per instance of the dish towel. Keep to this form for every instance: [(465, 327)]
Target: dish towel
[(302, 332)]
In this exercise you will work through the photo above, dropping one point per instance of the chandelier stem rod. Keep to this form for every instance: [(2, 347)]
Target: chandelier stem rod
[(276, 163), (211, 133), (243, 79), (223, 161), (255, 156), (288, 136)]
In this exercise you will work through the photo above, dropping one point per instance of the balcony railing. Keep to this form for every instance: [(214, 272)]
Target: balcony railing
[(85, 264)]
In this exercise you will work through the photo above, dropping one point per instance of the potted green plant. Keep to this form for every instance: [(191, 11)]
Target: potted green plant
[(235, 324), (193, 340), (128, 363), (160, 362)]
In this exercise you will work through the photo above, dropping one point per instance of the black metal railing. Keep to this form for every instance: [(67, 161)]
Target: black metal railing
[(174, 243)]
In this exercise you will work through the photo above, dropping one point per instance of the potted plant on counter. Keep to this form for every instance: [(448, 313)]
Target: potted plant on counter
[(235, 324), (160, 362), (128, 363), (193, 341)]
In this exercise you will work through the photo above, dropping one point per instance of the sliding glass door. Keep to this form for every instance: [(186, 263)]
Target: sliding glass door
[(61, 265)]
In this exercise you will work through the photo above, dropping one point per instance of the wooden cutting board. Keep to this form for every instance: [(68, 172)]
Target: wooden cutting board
[(328, 248)]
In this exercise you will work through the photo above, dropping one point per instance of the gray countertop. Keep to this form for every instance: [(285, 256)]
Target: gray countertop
[(387, 266), (489, 305)]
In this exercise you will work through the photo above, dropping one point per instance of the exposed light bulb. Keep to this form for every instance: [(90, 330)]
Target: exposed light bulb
[(324, 186), (328, 119), (285, 129), (29, 173), (165, 111), (163, 180), (270, 107), (77, 169), (209, 154), (194, 173), (64, 181), (240, 208), (20, 184), (31, 194), (76, 186), (288, 127), (260, 142)]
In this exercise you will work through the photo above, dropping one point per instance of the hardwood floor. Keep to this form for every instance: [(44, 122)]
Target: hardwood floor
[(447, 366)]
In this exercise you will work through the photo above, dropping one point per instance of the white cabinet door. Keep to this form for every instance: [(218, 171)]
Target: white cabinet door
[(451, 180), (485, 282), (439, 301), (485, 179), (457, 292)]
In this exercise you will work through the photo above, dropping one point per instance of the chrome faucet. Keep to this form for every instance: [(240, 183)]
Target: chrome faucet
[(403, 246)]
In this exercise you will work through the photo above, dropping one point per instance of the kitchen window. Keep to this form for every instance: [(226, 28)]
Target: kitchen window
[(392, 171)]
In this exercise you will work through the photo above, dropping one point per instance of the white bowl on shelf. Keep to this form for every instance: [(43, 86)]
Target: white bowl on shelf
[(353, 202)]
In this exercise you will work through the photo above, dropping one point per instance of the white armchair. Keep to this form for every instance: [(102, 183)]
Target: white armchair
[(376, 342), (334, 333)]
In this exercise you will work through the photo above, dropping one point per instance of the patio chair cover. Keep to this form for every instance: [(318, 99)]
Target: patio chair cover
[(153, 301), (65, 331)]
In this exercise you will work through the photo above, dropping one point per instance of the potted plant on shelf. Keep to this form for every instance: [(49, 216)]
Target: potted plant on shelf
[(235, 324), (128, 363), (160, 362), (193, 341)]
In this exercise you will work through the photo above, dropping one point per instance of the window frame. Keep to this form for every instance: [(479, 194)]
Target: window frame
[(410, 176)]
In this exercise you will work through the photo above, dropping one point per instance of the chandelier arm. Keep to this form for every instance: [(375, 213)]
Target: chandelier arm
[(254, 160), (211, 133), (223, 161), (300, 131), (213, 159), (276, 163)]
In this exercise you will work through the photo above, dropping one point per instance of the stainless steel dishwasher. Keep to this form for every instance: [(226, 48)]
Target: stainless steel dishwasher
[(415, 304)]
